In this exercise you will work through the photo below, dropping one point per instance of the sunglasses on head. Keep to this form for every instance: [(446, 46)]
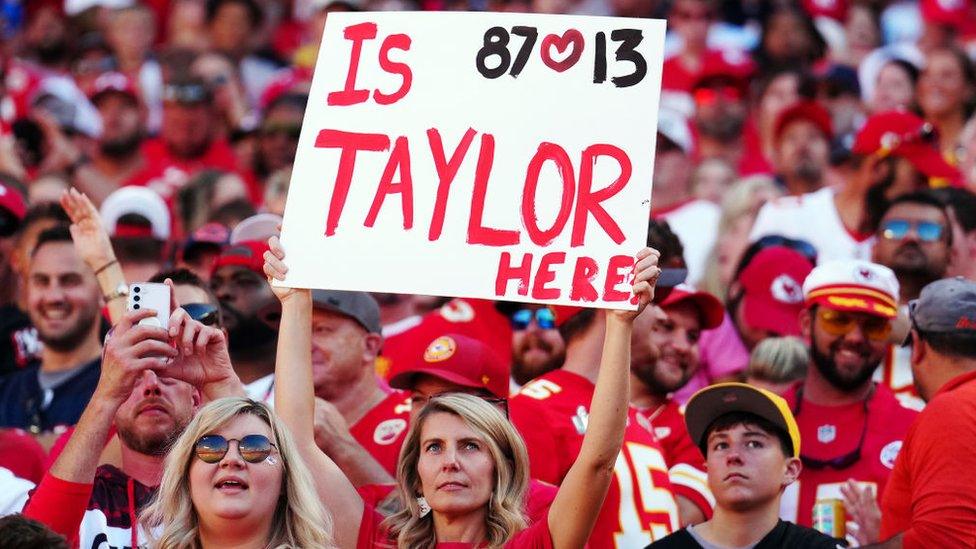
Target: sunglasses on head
[(897, 229), (839, 323), (204, 313), (252, 448), (802, 247), (545, 319)]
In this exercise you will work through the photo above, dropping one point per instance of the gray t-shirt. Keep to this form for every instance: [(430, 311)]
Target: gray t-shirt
[(709, 545)]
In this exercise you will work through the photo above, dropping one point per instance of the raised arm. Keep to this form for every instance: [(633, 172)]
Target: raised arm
[(295, 400), (581, 494)]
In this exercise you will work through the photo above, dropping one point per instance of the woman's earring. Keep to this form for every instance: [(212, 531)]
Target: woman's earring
[(424, 507)]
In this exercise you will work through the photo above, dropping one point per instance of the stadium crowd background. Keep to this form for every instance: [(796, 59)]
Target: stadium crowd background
[(815, 170)]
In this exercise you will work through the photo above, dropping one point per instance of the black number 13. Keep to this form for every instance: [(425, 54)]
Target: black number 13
[(627, 51)]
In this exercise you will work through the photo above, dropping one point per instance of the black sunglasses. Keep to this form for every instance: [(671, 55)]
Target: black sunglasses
[(204, 313), (840, 462), (252, 448)]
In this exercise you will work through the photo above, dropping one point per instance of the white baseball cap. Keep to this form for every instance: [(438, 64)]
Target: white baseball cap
[(853, 285), (141, 201)]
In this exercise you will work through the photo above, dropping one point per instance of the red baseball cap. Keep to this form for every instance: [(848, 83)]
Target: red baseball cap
[(564, 312), (710, 309), (458, 359), (248, 254), (905, 135), (953, 13), (12, 201), (772, 286), (810, 111), (113, 82), (731, 66)]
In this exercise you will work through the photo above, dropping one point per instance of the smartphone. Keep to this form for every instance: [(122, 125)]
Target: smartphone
[(147, 295)]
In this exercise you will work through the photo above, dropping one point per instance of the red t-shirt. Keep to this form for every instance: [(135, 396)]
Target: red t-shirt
[(373, 535), (829, 432), (931, 496), (686, 465), (640, 506), (383, 429)]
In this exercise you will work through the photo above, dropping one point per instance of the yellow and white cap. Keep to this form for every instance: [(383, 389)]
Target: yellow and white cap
[(853, 285), (715, 401)]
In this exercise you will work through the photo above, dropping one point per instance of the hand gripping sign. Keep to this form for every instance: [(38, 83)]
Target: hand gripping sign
[(497, 156)]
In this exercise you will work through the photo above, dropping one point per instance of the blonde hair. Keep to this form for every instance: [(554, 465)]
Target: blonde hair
[(299, 520), (779, 360), (505, 516), (740, 200)]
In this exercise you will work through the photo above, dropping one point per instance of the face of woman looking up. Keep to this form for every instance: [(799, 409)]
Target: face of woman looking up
[(234, 488)]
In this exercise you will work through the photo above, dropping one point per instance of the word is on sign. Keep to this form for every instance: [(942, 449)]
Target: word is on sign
[(420, 169)]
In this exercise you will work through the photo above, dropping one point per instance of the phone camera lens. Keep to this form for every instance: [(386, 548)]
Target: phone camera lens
[(136, 289), (136, 298), (136, 306)]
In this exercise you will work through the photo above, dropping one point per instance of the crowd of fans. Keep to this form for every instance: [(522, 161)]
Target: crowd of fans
[(809, 384)]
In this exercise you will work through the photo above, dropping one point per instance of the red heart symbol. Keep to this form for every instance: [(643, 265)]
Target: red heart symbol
[(570, 39)]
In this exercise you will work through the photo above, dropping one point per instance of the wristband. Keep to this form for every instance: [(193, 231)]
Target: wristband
[(99, 270)]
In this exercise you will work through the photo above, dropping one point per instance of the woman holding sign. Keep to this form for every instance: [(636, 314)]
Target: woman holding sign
[(463, 470)]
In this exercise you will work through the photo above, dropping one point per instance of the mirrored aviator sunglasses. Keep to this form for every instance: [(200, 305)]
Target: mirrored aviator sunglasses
[(545, 319), (252, 448), (204, 313), (897, 229)]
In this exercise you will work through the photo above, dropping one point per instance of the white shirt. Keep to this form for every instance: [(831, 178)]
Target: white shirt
[(812, 217), (696, 224), (13, 492), (261, 390)]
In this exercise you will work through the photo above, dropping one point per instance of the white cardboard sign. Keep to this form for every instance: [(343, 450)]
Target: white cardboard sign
[(498, 156)]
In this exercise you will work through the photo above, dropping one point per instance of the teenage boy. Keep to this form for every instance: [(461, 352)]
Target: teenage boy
[(751, 445)]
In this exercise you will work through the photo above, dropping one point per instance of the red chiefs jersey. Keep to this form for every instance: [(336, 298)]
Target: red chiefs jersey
[(830, 432), (383, 429), (896, 373), (686, 465), (640, 506)]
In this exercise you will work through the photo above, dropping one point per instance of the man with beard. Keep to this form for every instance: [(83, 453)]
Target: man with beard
[(94, 505), (894, 153), (537, 347), (249, 310), (63, 302), (720, 106), (116, 157), (663, 357), (802, 135), (914, 239), (852, 428)]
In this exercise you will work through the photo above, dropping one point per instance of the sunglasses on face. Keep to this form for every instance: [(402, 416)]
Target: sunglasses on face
[(839, 323), (204, 313), (897, 229), (252, 448), (709, 96), (545, 319)]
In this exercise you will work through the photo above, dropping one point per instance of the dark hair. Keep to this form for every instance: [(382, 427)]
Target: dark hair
[(924, 197), (951, 344), (137, 249), (806, 82), (45, 211), (733, 419), (233, 212), (968, 74), (185, 277), (818, 47), (295, 100), (254, 13), (662, 238), (909, 69), (57, 233), (962, 202), (20, 532), (577, 324)]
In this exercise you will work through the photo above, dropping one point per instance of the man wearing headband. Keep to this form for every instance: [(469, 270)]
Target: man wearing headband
[(752, 446)]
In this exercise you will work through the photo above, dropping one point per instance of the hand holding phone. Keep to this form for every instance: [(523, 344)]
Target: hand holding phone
[(156, 297)]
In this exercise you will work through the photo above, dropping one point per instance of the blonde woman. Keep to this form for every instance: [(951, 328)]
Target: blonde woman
[(777, 363), (463, 470), (235, 478)]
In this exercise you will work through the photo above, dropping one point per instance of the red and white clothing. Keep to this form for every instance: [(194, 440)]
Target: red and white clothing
[(373, 535), (812, 217), (830, 432), (640, 506), (686, 465), (896, 374), (13, 492), (931, 497), (92, 515), (383, 429)]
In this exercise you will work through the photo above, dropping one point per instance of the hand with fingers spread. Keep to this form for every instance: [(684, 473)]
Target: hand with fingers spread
[(203, 358), (89, 235), (646, 273), (862, 509), (275, 269), (129, 351)]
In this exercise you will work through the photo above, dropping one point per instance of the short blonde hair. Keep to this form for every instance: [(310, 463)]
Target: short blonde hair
[(779, 360), (505, 516), (299, 520)]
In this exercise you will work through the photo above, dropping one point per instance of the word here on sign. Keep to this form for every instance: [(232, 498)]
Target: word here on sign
[(497, 156)]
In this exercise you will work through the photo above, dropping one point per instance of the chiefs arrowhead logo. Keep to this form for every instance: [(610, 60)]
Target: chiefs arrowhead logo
[(786, 290)]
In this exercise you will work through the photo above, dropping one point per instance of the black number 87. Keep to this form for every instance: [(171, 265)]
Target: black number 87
[(496, 43)]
